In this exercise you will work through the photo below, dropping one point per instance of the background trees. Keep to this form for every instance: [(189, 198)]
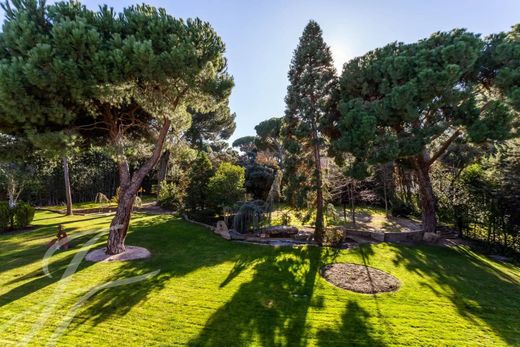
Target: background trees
[(197, 194), (309, 101), (411, 101), (116, 79)]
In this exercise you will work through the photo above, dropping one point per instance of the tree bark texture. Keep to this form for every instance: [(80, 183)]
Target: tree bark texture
[(319, 225), (129, 186), (427, 198), (66, 177)]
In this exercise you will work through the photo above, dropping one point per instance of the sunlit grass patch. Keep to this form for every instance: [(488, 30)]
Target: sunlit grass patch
[(209, 291)]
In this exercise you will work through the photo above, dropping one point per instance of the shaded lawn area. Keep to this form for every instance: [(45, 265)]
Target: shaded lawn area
[(92, 204), (211, 292)]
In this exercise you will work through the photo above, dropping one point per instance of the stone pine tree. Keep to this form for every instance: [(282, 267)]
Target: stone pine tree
[(116, 79), (412, 101), (309, 102), (268, 138)]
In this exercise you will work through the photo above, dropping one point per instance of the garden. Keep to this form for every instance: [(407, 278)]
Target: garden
[(379, 207), (213, 292)]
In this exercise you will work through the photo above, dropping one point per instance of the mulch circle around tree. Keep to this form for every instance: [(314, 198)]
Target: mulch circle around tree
[(131, 253), (359, 278)]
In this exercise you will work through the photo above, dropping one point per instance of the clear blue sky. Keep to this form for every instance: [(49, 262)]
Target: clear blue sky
[(260, 35)]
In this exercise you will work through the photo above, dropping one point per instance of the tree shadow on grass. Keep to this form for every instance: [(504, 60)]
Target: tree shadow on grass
[(18, 255), (21, 250), (354, 330), (37, 278), (272, 308), (481, 291), (177, 248)]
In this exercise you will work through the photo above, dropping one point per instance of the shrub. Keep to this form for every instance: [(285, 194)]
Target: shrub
[(197, 191), (286, 218), (171, 196), (226, 187), (23, 215), (206, 216), (332, 214), (400, 209), (115, 198), (5, 216), (333, 237)]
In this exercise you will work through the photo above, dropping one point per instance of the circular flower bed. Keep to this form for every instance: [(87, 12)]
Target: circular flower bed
[(359, 278)]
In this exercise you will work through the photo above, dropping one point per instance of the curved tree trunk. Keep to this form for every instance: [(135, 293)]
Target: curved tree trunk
[(427, 198), (66, 176), (129, 186)]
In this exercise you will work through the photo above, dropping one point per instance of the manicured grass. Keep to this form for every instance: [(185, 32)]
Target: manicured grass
[(92, 204), (211, 292)]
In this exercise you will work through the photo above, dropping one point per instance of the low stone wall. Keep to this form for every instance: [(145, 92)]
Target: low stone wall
[(396, 237), (187, 219)]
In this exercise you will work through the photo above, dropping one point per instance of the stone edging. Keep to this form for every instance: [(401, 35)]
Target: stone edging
[(400, 236), (207, 226)]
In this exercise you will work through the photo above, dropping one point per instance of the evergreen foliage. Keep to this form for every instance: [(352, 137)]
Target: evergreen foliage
[(118, 79), (226, 187), (309, 102), (197, 194), (411, 101)]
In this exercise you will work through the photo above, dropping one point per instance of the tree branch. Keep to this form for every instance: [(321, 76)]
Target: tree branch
[(444, 147), (156, 154)]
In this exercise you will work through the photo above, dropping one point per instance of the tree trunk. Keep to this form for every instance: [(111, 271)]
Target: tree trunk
[(120, 223), (129, 186), (319, 227), (385, 193), (66, 176), (11, 191), (427, 198), (352, 202)]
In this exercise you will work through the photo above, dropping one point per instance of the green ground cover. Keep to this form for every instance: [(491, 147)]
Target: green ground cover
[(212, 292), (92, 204)]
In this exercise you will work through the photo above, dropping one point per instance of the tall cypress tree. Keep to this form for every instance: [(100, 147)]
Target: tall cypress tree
[(309, 101)]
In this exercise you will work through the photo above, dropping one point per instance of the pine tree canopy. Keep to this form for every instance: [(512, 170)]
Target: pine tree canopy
[(404, 99), (102, 73)]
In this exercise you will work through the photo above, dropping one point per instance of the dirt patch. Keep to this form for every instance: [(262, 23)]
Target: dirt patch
[(131, 253), (359, 278)]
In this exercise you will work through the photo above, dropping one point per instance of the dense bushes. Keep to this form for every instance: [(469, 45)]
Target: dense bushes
[(17, 217), (5, 216), (226, 187), (171, 196), (23, 215)]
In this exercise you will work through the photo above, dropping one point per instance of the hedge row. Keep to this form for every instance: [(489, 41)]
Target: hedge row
[(17, 217)]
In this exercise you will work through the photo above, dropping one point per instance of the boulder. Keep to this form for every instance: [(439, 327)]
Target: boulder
[(278, 231), (430, 237), (222, 230)]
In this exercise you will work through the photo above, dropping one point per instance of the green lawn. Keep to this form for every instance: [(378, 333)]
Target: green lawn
[(92, 204), (211, 292)]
